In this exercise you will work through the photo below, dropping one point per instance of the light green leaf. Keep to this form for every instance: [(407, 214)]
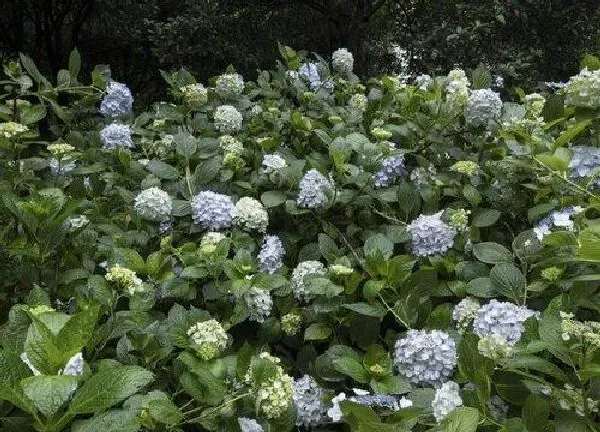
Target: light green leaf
[(162, 170), (463, 419), (492, 253), (111, 421), (49, 392), (317, 331), (272, 198), (351, 367)]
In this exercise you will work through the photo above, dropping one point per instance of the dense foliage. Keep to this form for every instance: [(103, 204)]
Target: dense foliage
[(302, 252), (524, 41)]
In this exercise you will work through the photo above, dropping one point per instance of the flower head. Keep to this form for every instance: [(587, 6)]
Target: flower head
[(308, 399), (392, 168), (117, 100), (305, 268), (228, 119), (124, 278), (430, 235), (249, 214), (12, 129), (115, 136), (208, 338), (270, 257), (495, 347), (502, 318), (425, 356), (259, 303), (483, 106), (583, 89), (194, 95), (585, 163), (314, 188), (230, 85), (290, 323), (343, 61), (212, 211), (153, 204), (447, 399), (273, 162), (464, 312)]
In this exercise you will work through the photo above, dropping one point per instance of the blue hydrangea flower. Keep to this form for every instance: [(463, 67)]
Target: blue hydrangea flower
[(212, 211), (503, 319), (115, 136), (310, 73), (560, 219), (313, 190), (117, 100), (270, 257), (430, 235), (308, 400), (483, 106), (392, 168), (585, 163), (426, 357)]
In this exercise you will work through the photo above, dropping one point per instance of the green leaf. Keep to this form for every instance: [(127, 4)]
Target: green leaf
[(572, 132), (109, 387), (12, 371), (509, 281), (482, 78), (380, 243), (185, 144), (42, 349), (328, 248), (49, 392), (317, 331), (462, 419), (535, 412), (164, 411), (351, 367), (492, 253), (74, 63), (272, 198), (481, 287), (374, 310), (76, 333), (32, 114), (111, 421), (538, 364), (206, 171), (162, 170), (486, 218), (554, 108)]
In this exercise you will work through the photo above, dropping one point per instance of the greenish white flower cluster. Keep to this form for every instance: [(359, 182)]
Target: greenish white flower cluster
[(249, 214), (209, 242), (229, 85), (464, 313), (125, 279), (194, 95), (259, 303), (228, 119), (304, 269), (587, 332), (343, 61), (153, 204), (12, 129), (457, 89), (583, 89), (495, 347), (275, 395), (208, 338), (273, 162)]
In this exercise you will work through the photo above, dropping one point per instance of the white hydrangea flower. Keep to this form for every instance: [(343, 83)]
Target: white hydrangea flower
[(115, 136), (392, 168), (259, 303), (117, 100), (153, 204), (228, 119), (249, 425), (534, 105), (335, 412), (447, 399), (212, 211), (358, 101), (194, 95), (249, 214), (12, 129), (483, 106), (125, 278), (343, 61), (457, 88), (230, 145), (305, 268), (495, 347), (270, 257), (61, 167), (273, 162), (464, 312), (583, 89), (209, 242), (275, 396), (60, 149), (78, 222), (308, 399), (208, 338), (229, 85), (585, 163), (502, 318), (430, 235), (314, 188), (425, 356)]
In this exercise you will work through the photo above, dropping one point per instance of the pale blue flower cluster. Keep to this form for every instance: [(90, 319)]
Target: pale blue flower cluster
[(392, 168), (389, 402), (503, 319), (249, 425), (212, 211), (483, 106), (559, 219), (308, 400), (585, 163), (117, 101), (61, 167), (270, 257), (423, 82), (313, 190), (115, 136), (430, 235), (425, 357), (447, 399), (310, 73)]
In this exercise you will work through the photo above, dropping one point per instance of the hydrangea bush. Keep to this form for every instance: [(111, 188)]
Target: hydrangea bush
[(301, 252)]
